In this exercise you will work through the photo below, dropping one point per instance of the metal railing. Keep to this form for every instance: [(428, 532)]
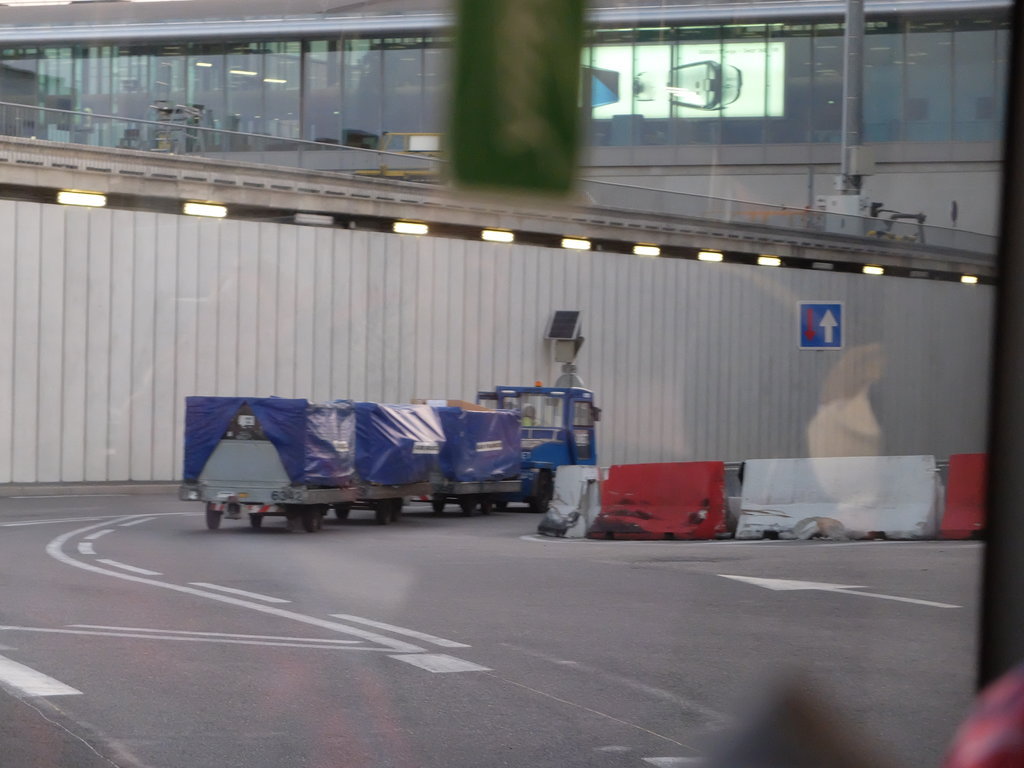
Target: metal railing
[(181, 135)]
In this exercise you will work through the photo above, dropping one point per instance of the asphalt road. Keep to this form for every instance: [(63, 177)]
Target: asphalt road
[(132, 636)]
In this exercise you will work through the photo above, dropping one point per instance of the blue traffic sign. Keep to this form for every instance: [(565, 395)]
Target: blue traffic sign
[(821, 325)]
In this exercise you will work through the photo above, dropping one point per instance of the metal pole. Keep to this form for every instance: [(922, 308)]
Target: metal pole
[(853, 94)]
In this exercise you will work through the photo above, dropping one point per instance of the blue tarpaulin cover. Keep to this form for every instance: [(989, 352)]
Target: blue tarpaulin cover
[(314, 441), (396, 444), (480, 445)]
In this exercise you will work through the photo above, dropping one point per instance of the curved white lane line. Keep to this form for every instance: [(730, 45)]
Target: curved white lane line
[(123, 566), (55, 549)]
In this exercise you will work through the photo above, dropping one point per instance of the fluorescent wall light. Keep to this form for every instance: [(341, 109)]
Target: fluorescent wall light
[(968, 279), (204, 63), (644, 249), (88, 199), (245, 72), (576, 243), (205, 209), (410, 228), (273, 80), (769, 261), (871, 269), (497, 236), (709, 256), (316, 219)]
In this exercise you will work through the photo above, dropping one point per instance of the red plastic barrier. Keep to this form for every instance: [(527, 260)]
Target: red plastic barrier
[(681, 500), (964, 517)]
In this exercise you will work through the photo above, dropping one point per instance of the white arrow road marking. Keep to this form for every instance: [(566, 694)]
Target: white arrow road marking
[(401, 631), (30, 682), (845, 589), (439, 662), (828, 324), (242, 592)]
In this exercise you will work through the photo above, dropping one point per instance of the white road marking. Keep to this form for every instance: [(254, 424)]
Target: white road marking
[(669, 762), (843, 589), (73, 496), (290, 642), (217, 634), (137, 522), (242, 592), (132, 568), (85, 548), (55, 549), (401, 631), (439, 662), (30, 682), (613, 748), (59, 520), (560, 539), (94, 536)]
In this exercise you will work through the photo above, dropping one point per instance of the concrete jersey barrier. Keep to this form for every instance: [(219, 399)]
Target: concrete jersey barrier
[(846, 497)]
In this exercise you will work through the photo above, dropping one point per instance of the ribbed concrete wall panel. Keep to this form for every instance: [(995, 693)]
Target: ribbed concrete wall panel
[(109, 319)]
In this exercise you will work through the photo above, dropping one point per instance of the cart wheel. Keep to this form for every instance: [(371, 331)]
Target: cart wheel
[(542, 493), (341, 510), (437, 504), (486, 506), (312, 518), (212, 517), (467, 504), (501, 506), (382, 511), (396, 509), (255, 521)]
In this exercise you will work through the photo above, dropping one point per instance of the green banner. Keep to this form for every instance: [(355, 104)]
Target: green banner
[(516, 107)]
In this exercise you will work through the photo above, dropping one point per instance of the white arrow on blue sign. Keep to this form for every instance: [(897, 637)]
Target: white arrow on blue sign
[(821, 325)]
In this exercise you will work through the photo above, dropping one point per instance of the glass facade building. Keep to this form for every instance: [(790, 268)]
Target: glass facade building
[(927, 79)]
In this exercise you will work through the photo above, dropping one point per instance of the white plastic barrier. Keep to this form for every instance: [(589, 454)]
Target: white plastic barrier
[(849, 497), (575, 504)]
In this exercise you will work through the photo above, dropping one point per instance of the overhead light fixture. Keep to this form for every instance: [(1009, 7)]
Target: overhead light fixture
[(88, 199), (645, 249), (497, 236), (204, 64), (209, 210), (871, 269), (710, 256), (273, 80), (410, 228), (769, 261), (576, 243), (244, 72), (315, 219), (969, 279)]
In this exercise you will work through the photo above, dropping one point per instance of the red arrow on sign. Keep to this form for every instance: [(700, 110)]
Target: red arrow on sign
[(809, 332)]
